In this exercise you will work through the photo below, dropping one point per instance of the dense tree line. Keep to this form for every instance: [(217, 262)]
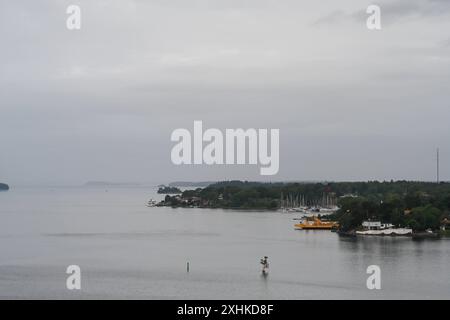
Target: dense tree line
[(420, 208), (419, 205)]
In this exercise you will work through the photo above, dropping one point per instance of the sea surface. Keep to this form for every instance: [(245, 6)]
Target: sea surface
[(128, 251)]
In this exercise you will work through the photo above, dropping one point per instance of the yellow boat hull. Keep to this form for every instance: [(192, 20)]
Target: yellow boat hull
[(316, 224), (303, 227)]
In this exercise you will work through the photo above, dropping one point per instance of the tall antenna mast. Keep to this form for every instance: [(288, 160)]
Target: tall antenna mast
[(437, 165)]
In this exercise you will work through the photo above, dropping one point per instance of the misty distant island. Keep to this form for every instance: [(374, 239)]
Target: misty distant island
[(169, 190), (200, 184), (4, 187)]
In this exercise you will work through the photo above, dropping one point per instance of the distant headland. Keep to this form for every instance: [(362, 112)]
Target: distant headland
[(4, 187), (200, 184)]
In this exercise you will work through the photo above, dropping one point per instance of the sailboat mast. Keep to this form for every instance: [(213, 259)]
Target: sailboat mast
[(437, 165)]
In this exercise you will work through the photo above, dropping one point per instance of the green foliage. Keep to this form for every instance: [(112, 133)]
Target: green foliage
[(419, 205), (423, 218), (395, 209)]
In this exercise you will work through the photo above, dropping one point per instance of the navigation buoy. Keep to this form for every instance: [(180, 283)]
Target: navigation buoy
[(265, 266)]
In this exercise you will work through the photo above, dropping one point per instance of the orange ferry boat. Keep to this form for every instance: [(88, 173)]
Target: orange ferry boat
[(316, 224)]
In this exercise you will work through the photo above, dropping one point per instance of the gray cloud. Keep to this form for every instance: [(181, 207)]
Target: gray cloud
[(100, 103), (392, 11)]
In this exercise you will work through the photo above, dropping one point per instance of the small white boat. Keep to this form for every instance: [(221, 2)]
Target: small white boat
[(151, 203), (287, 210)]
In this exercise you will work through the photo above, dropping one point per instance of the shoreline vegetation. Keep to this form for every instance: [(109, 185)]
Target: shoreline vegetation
[(421, 206), (4, 187)]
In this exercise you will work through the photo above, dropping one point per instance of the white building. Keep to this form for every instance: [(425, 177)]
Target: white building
[(376, 225)]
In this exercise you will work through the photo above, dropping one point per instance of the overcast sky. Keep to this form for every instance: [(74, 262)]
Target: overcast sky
[(100, 103)]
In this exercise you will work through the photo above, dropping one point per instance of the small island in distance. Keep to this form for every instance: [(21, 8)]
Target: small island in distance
[(4, 187), (201, 184), (169, 190)]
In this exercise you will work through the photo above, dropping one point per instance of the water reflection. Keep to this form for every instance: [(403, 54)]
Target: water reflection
[(129, 250)]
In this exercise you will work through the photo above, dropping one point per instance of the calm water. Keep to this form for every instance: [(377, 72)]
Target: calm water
[(126, 250)]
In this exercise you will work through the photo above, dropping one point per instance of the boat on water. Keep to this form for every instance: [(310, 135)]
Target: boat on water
[(287, 210), (328, 210), (291, 203), (316, 224), (151, 203), (309, 210)]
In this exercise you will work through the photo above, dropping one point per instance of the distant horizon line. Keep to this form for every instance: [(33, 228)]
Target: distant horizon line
[(116, 184)]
